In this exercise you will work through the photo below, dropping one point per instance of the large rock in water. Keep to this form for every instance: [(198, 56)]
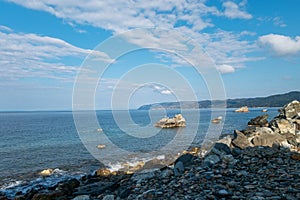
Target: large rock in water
[(242, 109), (259, 121), (166, 122)]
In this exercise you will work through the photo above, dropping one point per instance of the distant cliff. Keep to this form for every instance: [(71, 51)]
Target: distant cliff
[(271, 101)]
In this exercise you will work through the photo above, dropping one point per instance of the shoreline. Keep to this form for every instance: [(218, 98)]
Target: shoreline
[(237, 167)]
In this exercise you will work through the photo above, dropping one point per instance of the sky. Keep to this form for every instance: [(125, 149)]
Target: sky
[(47, 46)]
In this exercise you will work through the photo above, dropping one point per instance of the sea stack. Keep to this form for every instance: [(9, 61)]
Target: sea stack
[(242, 109), (166, 122)]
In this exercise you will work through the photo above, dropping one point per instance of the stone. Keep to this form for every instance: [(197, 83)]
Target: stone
[(264, 136), (216, 120), (290, 110), (211, 160), (283, 126), (186, 159), (103, 172), (295, 156), (178, 168), (240, 140), (166, 122), (82, 197), (101, 146), (226, 140), (109, 197), (242, 109), (259, 121), (166, 173), (3, 198), (222, 147), (46, 172), (223, 193)]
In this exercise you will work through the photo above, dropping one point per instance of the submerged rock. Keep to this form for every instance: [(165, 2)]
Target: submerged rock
[(166, 122), (217, 120)]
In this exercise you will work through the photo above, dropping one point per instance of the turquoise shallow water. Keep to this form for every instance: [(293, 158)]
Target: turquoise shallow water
[(33, 141)]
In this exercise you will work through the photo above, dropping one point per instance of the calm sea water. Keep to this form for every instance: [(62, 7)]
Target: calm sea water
[(33, 141)]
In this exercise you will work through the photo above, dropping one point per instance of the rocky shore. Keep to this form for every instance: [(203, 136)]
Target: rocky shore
[(260, 162)]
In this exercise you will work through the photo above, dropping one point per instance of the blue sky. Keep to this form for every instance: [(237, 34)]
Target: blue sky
[(255, 46)]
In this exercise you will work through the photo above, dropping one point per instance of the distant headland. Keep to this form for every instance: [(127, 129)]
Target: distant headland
[(277, 100)]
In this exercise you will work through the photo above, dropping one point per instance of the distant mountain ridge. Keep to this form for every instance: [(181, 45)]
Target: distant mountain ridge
[(277, 100)]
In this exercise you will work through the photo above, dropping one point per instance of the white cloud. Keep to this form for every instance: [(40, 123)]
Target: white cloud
[(280, 45), (31, 55), (224, 69), (186, 17), (5, 29), (277, 21), (233, 11)]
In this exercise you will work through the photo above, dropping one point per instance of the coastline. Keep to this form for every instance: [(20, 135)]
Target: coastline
[(227, 171)]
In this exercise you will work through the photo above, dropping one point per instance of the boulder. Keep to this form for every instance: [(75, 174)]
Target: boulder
[(242, 109), (82, 197), (259, 121), (178, 168), (49, 196), (166, 122), (290, 110), (283, 126), (241, 141), (186, 159)]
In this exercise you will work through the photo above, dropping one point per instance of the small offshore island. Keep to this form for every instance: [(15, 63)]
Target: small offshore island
[(259, 162)]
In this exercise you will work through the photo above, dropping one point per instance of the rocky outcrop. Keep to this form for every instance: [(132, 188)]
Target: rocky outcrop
[(166, 122), (283, 130), (242, 109), (217, 120), (259, 121)]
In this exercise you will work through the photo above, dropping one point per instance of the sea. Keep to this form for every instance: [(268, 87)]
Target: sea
[(33, 141)]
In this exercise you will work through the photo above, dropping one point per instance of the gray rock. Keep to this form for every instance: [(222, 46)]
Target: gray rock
[(166, 173), (226, 140), (291, 110), (240, 140), (223, 193), (223, 148), (259, 121), (186, 159), (178, 168), (211, 160), (283, 126)]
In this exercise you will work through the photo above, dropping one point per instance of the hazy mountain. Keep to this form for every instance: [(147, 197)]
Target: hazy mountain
[(271, 101)]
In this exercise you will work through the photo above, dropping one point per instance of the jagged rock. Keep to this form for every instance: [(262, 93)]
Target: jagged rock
[(226, 140), (283, 126), (291, 110), (143, 176), (259, 121), (166, 122), (241, 140), (265, 137), (242, 109)]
